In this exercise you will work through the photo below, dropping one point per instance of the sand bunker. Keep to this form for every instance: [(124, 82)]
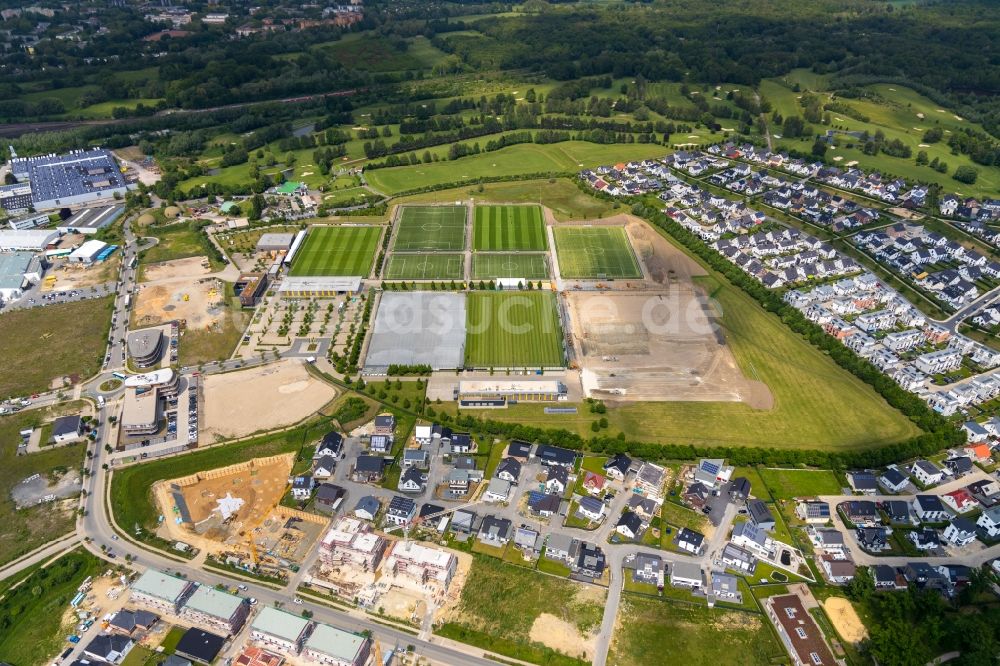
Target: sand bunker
[(845, 619), (247, 401)]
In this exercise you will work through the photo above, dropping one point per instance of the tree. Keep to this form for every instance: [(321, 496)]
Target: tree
[(966, 174), (922, 159), (819, 147)]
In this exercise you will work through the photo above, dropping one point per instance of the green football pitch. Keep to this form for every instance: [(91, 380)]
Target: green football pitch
[(431, 228), (508, 228), (595, 253), (414, 266), (509, 265), (513, 330), (337, 251)]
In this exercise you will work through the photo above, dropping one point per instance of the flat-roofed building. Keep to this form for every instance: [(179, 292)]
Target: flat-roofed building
[(27, 239), (275, 242), (336, 647), (513, 391), (217, 609), (78, 177), (165, 381), (88, 253), (318, 287), (161, 591), (28, 221), (351, 540), (250, 287), (279, 629), (141, 412), (90, 220), (18, 270), (145, 346), (421, 563)]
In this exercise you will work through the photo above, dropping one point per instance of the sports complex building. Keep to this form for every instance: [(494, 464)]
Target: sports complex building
[(76, 178), (318, 287), (490, 393), (418, 328)]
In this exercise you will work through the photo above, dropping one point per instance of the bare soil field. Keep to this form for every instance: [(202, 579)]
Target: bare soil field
[(79, 276), (845, 619), (263, 398), (656, 346), (179, 290), (563, 636), (665, 262)]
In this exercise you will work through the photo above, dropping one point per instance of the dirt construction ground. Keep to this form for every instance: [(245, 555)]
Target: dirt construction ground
[(845, 619), (260, 486), (178, 290), (263, 398), (559, 634), (656, 345)]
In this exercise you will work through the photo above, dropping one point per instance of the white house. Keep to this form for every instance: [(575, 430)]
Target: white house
[(927, 472), (497, 491), (960, 532), (989, 520)]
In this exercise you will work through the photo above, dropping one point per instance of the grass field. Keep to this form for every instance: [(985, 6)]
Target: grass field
[(31, 615), (818, 405), (565, 157), (789, 483), (503, 228), (595, 252), (178, 241), (23, 530), (513, 330), (38, 344), (217, 342), (651, 632), (431, 228), (337, 251), (503, 265), (500, 603), (414, 266)]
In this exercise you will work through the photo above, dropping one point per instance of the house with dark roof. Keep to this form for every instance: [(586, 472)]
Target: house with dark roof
[(927, 472), (368, 469), (128, 621), (629, 525), (199, 645), (324, 467), (959, 466), (617, 466), (401, 510), (860, 512), (590, 508), (644, 506), (893, 480), (697, 494), (646, 568), (739, 488), (929, 509), (543, 504), (463, 521), (66, 429), (813, 512), (925, 576), (331, 445), (553, 455), (863, 482), (738, 558), (925, 539), (367, 508), (329, 497), (873, 539), (495, 531), (760, 515), (590, 561), (898, 512), (509, 469), (110, 648), (519, 449), (887, 578), (557, 479), (411, 481), (689, 540), (960, 532)]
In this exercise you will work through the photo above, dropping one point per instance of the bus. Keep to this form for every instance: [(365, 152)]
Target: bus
[(128, 301), (119, 375)]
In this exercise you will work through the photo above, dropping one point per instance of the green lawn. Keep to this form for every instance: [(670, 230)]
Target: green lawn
[(23, 530), (566, 157), (30, 616), (503, 228), (513, 330), (178, 241), (509, 265), (337, 251), (500, 603), (788, 483), (414, 266), (665, 632), (39, 344), (431, 228), (817, 404), (595, 252)]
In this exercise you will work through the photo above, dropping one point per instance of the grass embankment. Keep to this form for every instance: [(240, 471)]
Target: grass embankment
[(179, 241), (817, 404), (31, 615), (651, 631), (41, 343), (501, 602), (23, 530)]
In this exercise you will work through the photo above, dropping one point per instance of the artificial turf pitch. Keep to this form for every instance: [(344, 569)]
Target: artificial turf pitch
[(595, 253), (513, 330), (431, 228), (508, 228), (509, 265), (337, 251), (414, 266)]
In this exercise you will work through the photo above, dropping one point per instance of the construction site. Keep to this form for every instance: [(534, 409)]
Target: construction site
[(233, 514), (181, 290), (401, 577)]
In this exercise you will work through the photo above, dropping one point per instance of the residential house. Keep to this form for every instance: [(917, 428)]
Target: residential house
[(279, 629), (686, 574), (509, 469), (752, 538), (689, 540), (590, 561), (925, 539), (959, 466), (629, 525), (367, 508), (323, 468), (414, 458), (110, 648), (555, 456), (979, 452), (726, 587), (218, 610), (459, 481), (401, 511), (302, 487), (380, 444), (927, 473), (986, 491), (495, 531), (519, 449), (960, 532), (385, 424), (893, 480), (543, 504), (329, 497), (860, 512), (412, 480), (738, 558), (497, 491), (126, 622), (646, 568), (463, 521), (697, 494), (713, 472), (989, 520), (368, 469), (760, 515), (887, 578), (649, 481), (813, 512), (332, 444), (557, 479), (739, 488), (562, 548), (593, 483), (590, 508), (798, 632), (929, 509), (829, 540), (527, 540), (617, 467), (975, 432), (645, 507), (66, 429), (837, 571), (873, 539), (863, 482), (898, 512), (960, 501)]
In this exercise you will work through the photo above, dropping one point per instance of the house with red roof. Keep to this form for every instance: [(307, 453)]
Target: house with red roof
[(593, 483), (960, 500)]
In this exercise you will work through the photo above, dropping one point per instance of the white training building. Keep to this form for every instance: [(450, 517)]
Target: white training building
[(88, 252), (27, 239)]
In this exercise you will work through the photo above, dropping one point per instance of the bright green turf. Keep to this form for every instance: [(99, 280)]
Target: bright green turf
[(337, 251), (431, 228), (513, 330), (508, 228), (509, 265), (595, 252), (413, 266)]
